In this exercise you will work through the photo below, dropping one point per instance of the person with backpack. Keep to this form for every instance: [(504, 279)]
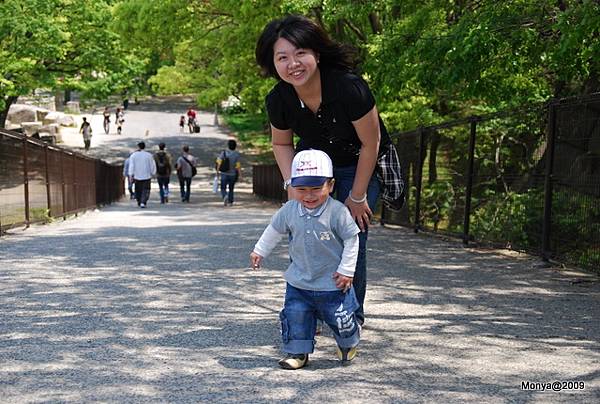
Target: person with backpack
[(228, 165), (186, 170), (163, 172)]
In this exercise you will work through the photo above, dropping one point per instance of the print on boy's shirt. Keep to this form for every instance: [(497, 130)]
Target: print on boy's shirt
[(324, 235)]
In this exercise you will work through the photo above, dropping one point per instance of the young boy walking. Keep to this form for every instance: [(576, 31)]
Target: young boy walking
[(323, 251)]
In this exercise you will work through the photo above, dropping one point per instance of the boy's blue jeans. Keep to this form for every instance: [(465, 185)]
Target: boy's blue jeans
[(301, 310), (344, 178)]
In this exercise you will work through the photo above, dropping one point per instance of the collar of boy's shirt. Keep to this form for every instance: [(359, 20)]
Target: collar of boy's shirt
[(315, 212)]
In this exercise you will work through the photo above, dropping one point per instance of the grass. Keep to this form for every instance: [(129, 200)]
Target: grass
[(252, 133), (41, 215)]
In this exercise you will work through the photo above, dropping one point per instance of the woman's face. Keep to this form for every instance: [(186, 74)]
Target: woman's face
[(296, 66)]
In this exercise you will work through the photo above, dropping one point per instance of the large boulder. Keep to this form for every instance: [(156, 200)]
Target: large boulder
[(59, 118), (22, 113)]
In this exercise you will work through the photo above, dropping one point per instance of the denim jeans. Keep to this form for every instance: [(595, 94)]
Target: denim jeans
[(301, 310), (344, 178), (163, 188), (184, 187), (227, 181), (142, 191)]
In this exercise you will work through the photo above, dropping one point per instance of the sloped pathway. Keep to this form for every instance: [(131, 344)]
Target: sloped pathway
[(157, 305)]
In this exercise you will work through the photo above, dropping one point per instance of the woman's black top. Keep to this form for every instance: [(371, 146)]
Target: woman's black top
[(345, 96)]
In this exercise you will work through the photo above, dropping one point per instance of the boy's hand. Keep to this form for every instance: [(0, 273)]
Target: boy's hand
[(342, 281), (255, 260)]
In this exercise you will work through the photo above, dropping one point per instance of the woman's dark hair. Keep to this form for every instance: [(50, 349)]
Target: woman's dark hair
[(302, 33)]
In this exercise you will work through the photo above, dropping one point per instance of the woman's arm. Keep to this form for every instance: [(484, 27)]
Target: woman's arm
[(283, 149), (367, 129)]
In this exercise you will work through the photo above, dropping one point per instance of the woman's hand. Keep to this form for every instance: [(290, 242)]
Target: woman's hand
[(342, 281), (360, 212)]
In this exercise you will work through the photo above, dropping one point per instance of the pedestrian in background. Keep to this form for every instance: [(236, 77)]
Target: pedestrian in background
[(186, 170), (163, 172), (141, 170), (86, 131), (228, 165), (120, 118), (129, 180)]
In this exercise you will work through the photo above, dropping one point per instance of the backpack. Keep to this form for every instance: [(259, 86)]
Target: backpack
[(224, 167), (161, 164)]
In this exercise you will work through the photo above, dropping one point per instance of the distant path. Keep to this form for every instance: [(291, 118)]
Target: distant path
[(157, 305)]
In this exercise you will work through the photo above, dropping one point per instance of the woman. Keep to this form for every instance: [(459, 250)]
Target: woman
[(329, 108)]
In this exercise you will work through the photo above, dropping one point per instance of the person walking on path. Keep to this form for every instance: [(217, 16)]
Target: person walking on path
[(106, 120), (86, 131), (321, 100), (186, 169), (191, 114), (129, 180), (141, 170), (163, 172), (228, 165), (119, 119), (323, 252)]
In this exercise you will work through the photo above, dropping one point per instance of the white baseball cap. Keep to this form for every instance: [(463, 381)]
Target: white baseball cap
[(311, 168)]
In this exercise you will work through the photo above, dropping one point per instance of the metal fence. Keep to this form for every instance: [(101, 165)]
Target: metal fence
[(39, 181), (528, 180), (267, 182)]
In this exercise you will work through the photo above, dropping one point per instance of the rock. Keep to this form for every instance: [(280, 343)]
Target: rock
[(29, 128), (60, 119), (72, 107), (18, 113)]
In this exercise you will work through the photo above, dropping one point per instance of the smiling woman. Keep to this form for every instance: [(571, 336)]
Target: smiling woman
[(330, 108)]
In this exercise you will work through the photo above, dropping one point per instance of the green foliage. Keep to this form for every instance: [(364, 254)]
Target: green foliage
[(249, 128), (510, 217), (60, 44), (438, 202)]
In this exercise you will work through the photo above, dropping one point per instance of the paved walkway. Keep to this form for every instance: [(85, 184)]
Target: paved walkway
[(157, 305)]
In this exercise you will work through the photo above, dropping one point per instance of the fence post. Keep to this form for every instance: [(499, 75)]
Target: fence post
[(547, 223), (62, 181), (47, 181), (420, 162), (75, 184), (26, 180), (469, 190)]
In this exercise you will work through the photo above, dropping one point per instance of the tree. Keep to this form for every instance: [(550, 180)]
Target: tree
[(59, 44)]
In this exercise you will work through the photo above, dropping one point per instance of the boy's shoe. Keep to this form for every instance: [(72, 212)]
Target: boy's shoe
[(294, 361), (346, 354)]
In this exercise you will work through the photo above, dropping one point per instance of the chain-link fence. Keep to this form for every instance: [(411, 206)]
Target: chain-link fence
[(39, 181), (527, 180)]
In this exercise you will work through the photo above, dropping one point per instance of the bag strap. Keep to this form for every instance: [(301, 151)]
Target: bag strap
[(187, 161)]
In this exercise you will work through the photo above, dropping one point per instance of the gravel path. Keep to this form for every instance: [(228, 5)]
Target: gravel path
[(157, 305)]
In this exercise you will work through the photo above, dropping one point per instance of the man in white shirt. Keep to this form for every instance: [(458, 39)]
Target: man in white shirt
[(141, 170)]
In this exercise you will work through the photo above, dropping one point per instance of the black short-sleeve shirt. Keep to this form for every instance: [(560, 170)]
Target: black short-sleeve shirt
[(346, 97)]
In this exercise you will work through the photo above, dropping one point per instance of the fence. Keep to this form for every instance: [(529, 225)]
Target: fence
[(527, 180), (39, 181)]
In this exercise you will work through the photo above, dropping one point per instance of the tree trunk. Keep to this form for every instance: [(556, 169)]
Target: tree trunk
[(375, 23), (435, 143), (4, 113)]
